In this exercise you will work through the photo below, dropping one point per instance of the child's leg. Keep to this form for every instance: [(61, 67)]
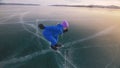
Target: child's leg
[(51, 39), (58, 44), (56, 37)]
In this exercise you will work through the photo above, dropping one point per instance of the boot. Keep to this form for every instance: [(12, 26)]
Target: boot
[(58, 45), (54, 47)]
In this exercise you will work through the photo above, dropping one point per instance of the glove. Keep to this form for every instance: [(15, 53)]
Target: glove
[(41, 26), (66, 30)]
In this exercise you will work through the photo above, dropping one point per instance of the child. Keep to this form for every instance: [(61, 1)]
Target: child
[(51, 33)]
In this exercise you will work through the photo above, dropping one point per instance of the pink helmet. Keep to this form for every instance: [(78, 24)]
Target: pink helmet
[(65, 24)]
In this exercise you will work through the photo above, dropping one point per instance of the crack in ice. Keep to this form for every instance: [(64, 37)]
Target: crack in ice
[(117, 50), (31, 25), (105, 31), (25, 58), (66, 59)]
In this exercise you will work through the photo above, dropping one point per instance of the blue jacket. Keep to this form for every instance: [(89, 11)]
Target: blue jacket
[(51, 33)]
